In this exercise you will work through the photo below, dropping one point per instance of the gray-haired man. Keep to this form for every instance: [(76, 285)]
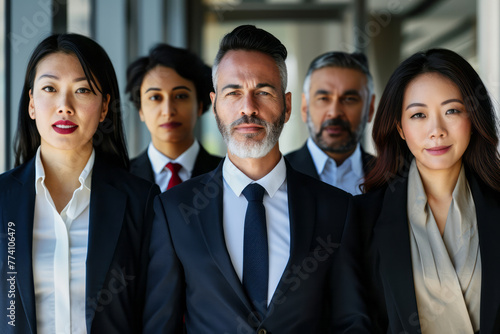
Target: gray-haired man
[(337, 102)]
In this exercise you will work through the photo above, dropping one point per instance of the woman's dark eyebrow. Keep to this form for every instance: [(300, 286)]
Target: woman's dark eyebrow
[(181, 87), (450, 101), (152, 88), (411, 105)]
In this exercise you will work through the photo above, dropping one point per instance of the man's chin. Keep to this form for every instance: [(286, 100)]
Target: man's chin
[(332, 142), (249, 148), (336, 146)]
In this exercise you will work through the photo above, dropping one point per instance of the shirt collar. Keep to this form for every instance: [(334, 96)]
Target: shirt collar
[(186, 159), (237, 180), (84, 178), (356, 161), (320, 158)]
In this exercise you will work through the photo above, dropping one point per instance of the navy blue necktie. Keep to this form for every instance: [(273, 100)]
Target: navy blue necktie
[(255, 252)]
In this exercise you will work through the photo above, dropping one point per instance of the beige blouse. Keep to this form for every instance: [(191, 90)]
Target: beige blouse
[(446, 270)]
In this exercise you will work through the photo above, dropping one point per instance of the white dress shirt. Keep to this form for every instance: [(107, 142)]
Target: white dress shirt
[(277, 218), (159, 161), (59, 255), (347, 176)]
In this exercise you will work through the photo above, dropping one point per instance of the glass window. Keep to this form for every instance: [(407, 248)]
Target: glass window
[(79, 12)]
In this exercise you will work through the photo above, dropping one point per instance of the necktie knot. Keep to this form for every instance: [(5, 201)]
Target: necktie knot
[(174, 167), (254, 192)]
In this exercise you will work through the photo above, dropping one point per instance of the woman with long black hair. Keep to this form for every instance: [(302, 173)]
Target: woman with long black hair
[(79, 224)]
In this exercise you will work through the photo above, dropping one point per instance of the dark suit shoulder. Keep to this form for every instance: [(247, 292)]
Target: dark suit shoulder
[(331, 205), (297, 155), (368, 206), (301, 160), (372, 198), (141, 166), (313, 184), (141, 158), (11, 175), (18, 175), (121, 178), (488, 194), (205, 162)]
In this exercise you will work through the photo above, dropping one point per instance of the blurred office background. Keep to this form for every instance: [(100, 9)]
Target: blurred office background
[(388, 31)]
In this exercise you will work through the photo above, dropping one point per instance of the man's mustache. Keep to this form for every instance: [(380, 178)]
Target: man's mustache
[(245, 119), (345, 125)]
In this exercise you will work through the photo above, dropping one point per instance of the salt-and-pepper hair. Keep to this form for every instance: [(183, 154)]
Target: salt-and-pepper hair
[(250, 38), (355, 61)]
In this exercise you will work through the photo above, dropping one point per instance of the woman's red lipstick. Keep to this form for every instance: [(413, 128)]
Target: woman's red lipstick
[(64, 127), (438, 150)]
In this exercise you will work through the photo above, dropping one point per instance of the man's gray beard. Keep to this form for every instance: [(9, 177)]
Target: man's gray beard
[(347, 146), (251, 148)]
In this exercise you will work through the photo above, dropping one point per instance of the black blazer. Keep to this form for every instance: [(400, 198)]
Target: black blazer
[(205, 162), (383, 237), (121, 216), (302, 161), (192, 270)]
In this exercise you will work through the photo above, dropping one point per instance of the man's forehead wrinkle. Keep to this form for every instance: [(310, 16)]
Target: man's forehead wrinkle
[(248, 79)]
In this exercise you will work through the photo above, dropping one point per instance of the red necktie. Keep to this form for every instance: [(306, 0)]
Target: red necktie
[(174, 179)]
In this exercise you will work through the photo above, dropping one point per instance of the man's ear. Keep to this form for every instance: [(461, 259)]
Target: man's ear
[(213, 99), (288, 106), (303, 108)]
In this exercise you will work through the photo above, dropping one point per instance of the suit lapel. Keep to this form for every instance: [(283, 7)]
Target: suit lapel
[(21, 211), (107, 209), (488, 213), (301, 209), (392, 237), (211, 225)]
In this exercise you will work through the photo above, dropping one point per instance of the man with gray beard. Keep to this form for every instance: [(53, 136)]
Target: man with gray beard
[(250, 247), (337, 102)]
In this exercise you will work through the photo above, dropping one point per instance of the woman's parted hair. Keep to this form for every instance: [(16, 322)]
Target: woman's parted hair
[(109, 140), (185, 63), (393, 155)]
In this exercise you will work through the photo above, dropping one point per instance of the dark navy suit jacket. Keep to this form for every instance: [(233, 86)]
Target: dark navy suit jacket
[(205, 162), (380, 242), (192, 270), (121, 216)]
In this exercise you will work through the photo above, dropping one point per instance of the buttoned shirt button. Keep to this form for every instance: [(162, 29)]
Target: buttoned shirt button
[(262, 331)]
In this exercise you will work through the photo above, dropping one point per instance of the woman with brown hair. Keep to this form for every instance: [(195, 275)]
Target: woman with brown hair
[(171, 90), (427, 226)]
